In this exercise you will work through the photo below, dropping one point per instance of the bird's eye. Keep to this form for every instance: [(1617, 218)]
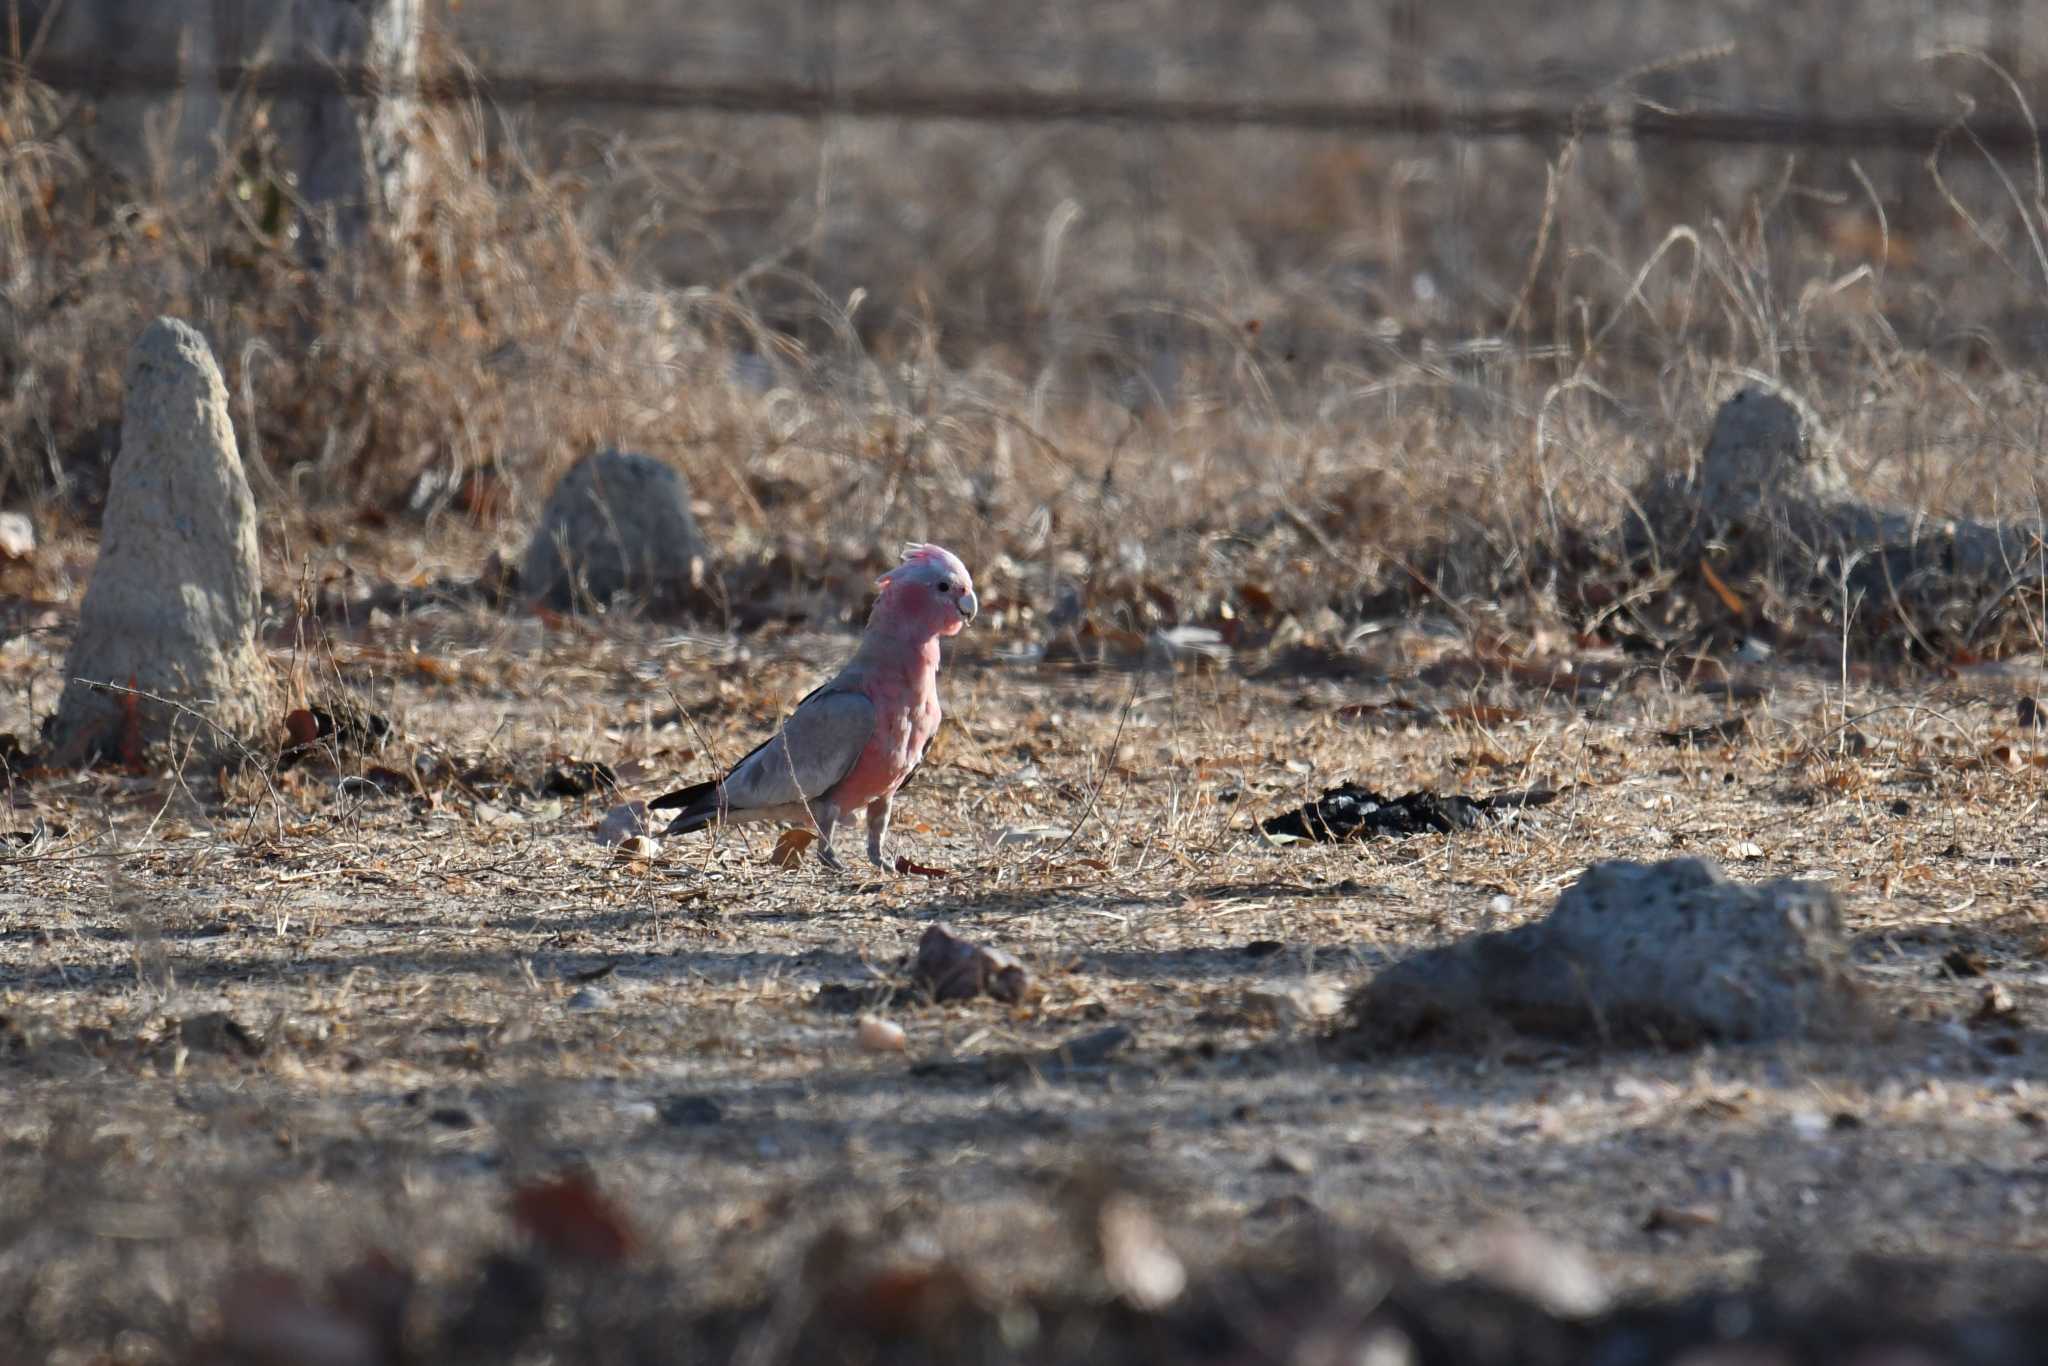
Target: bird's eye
[(945, 585)]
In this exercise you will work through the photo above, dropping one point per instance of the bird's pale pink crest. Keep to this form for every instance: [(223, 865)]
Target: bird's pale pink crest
[(929, 594)]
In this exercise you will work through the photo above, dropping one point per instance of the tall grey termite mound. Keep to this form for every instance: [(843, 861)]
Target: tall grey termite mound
[(617, 525), (174, 602)]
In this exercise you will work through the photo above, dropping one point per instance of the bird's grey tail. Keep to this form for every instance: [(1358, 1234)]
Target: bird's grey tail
[(698, 803)]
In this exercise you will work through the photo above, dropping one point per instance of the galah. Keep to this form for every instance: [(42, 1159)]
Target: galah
[(852, 742)]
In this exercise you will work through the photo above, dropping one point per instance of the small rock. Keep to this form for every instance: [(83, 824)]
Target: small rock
[(691, 1112), (1810, 1125), (1680, 1218), (956, 969), (622, 823), (1292, 1005), (1291, 1162), (1135, 1257), (1091, 1050), (17, 536), (1292, 1205), (618, 523), (218, 1032), (590, 998), (1556, 1275), (637, 849), (1995, 1006), (877, 1035)]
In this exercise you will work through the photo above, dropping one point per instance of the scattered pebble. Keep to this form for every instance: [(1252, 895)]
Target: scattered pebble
[(1292, 1162), (956, 969), (637, 848), (17, 536), (880, 1036), (691, 1112), (1292, 1004), (1681, 1218), (590, 998)]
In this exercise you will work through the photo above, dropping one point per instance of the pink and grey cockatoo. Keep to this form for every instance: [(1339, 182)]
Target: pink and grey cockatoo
[(852, 742)]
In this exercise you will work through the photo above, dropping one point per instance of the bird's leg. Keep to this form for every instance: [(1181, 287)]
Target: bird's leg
[(827, 816), (878, 826)]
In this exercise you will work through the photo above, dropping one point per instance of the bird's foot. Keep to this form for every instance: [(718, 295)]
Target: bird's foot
[(830, 859)]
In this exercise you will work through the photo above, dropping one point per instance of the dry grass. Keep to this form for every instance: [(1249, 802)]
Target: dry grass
[(1397, 499), (1455, 363), (414, 966)]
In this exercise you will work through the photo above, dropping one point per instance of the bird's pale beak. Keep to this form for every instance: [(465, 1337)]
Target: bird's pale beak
[(968, 606)]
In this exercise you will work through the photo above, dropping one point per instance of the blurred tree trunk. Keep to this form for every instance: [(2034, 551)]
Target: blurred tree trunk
[(167, 111), (352, 151)]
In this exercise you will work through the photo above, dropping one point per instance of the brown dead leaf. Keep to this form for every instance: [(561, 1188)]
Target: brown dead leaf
[(1721, 590), (303, 728), (910, 869), (789, 849), (571, 1219), (1481, 714)]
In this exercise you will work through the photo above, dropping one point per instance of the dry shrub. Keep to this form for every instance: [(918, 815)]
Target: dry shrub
[(1351, 377)]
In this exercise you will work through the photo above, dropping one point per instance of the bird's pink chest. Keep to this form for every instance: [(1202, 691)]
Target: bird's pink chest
[(906, 717)]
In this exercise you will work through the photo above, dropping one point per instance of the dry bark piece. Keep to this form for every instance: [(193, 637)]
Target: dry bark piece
[(956, 969), (578, 778), (1672, 953), (1351, 811), (618, 524), (175, 598)]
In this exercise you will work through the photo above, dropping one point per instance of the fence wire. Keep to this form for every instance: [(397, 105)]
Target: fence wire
[(820, 99)]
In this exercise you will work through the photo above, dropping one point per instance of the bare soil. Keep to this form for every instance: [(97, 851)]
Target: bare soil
[(297, 1015)]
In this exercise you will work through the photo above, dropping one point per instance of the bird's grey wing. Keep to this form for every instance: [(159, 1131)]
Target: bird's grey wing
[(815, 748)]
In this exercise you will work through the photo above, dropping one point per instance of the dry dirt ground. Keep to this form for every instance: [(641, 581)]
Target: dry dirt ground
[(314, 1013)]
